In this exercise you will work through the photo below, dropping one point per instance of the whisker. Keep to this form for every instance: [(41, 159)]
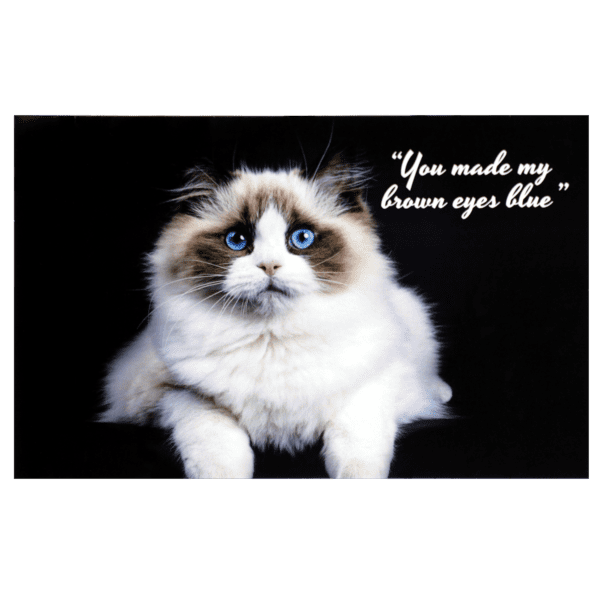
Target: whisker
[(205, 262), (324, 153), (234, 305), (160, 287), (193, 306), (230, 299), (196, 260), (328, 258), (303, 155), (199, 273), (245, 305), (331, 281), (331, 272), (196, 288)]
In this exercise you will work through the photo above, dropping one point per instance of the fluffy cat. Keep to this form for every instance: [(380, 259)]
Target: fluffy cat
[(277, 320)]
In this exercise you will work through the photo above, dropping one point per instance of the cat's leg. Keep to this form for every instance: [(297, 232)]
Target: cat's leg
[(208, 438), (359, 440)]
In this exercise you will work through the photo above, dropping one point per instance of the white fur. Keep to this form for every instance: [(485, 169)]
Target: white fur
[(351, 366)]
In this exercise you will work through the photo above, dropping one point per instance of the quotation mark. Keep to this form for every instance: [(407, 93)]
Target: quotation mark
[(563, 186)]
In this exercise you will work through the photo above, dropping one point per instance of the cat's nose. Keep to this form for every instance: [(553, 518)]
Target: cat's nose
[(269, 268)]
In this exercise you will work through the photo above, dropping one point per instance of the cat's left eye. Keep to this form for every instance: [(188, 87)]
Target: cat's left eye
[(302, 238)]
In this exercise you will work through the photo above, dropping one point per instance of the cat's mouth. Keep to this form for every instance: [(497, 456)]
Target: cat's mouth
[(277, 290), (273, 299)]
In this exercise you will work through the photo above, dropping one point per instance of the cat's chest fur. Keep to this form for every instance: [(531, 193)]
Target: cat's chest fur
[(282, 380)]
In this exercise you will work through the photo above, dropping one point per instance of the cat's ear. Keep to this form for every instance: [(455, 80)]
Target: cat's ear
[(345, 180), (200, 186)]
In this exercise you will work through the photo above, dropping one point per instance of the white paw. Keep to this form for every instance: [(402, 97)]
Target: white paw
[(444, 391), (357, 469), (202, 463)]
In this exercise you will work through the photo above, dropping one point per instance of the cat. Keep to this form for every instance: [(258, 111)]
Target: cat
[(277, 320)]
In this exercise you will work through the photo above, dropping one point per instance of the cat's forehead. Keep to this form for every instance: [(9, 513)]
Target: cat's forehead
[(250, 194)]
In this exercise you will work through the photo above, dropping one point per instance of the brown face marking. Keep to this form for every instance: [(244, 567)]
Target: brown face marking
[(328, 256), (207, 257)]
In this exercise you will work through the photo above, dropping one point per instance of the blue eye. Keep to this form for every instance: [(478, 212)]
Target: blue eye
[(302, 238), (236, 240)]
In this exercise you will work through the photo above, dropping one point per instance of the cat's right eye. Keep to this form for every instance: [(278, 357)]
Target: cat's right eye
[(236, 240)]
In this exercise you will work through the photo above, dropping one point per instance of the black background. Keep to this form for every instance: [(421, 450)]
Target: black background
[(510, 286)]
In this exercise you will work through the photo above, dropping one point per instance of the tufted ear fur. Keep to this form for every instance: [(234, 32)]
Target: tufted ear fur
[(345, 180), (201, 183)]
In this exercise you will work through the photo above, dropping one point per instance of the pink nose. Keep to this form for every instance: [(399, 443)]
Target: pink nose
[(269, 268)]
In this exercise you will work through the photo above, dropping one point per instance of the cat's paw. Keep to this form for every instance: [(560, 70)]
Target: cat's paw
[(200, 463), (202, 469), (195, 470), (358, 469), (444, 391)]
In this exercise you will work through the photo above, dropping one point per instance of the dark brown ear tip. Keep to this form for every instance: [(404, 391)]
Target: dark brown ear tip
[(353, 200)]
